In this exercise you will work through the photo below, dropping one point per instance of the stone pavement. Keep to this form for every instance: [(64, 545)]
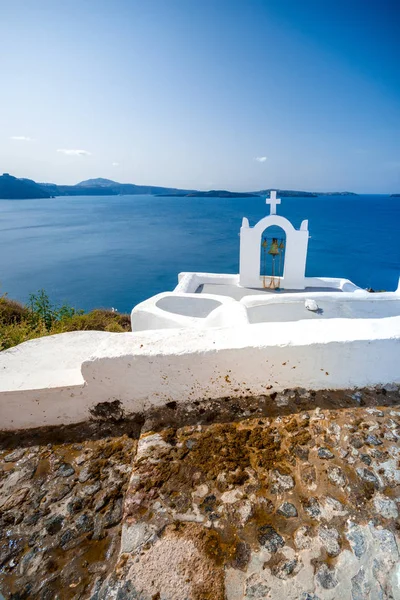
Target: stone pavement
[(293, 495)]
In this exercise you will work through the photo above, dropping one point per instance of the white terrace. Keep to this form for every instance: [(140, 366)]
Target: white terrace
[(270, 287), (265, 329)]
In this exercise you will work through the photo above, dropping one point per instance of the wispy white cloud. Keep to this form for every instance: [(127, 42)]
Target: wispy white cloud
[(21, 138), (261, 159), (115, 164), (70, 152)]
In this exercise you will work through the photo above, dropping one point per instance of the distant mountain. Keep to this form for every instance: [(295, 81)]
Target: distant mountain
[(211, 194), (98, 182), (287, 193), (114, 187), (77, 190), (336, 194), (12, 188), (395, 195), (299, 194)]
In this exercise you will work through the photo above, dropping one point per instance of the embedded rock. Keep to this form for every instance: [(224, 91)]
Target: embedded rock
[(330, 540), (337, 476), (326, 577), (287, 510), (270, 539), (385, 507), (65, 470), (368, 476), (325, 453)]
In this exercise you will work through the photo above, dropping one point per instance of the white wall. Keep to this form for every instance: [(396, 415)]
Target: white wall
[(155, 367), (189, 282), (338, 353), (171, 310)]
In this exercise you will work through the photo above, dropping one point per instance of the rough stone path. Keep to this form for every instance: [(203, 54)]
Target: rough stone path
[(61, 506), (293, 495)]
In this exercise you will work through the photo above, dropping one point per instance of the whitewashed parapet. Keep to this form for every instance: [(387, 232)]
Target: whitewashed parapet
[(189, 283), (185, 365)]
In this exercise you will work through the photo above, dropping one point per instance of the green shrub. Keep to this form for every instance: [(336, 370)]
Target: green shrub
[(12, 311), (41, 317), (42, 310)]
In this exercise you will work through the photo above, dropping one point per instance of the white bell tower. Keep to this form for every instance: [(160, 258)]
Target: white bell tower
[(295, 254)]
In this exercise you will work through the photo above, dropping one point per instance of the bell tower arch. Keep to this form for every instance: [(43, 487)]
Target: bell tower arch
[(295, 253)]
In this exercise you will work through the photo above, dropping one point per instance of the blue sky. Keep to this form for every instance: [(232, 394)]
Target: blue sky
[(190, 93)]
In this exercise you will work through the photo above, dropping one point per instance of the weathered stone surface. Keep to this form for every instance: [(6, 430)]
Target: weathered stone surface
[(85, 473), (309, 476), (337, 476), (84, 523), (65, 470), (303, 537), (14, 499), (385, 507), (356, 441), (372, 440), (255, 589), (281, 483), (287, 510), (360, 590), (50, 546), (356, 537), (284, 568), (14, 456), (312, 508), (269, 538), (249, 508), (325, 453), (391, 387), (90, 490), (368, 476), (366, 459), (386, 542), (326, 577), (179, 565), (330, 539), (54, 524), (333, 508)]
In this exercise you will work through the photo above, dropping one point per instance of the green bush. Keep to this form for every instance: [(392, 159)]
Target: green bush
[(41, 317), (12, 311)]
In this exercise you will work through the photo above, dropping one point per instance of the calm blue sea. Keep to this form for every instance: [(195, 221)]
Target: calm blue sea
[(116, 251)]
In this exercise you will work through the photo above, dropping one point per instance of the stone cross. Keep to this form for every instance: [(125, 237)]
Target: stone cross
[(273, 201)]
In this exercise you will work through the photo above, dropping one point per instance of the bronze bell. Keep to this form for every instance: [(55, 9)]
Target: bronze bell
[(264, 244), (281, 245), (274, 250)]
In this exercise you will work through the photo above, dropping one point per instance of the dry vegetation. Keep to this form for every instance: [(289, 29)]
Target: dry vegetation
[(19, 323)]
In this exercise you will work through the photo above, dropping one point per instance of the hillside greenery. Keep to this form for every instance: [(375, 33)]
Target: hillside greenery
[(40, 317)]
